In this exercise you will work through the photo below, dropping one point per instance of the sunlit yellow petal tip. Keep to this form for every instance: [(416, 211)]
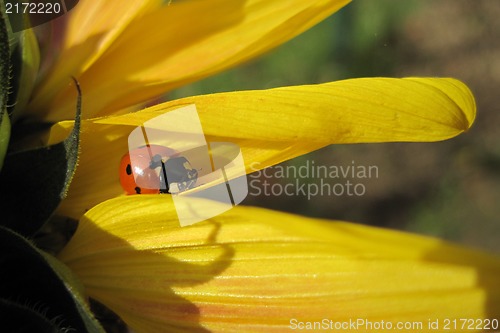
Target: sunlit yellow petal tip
[(458, 93), (252, 270)]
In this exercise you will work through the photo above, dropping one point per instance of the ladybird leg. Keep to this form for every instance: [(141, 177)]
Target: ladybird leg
[(164, 187)]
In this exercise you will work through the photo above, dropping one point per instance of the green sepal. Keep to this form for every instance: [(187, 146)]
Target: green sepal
[(21, 318), (4, 65), (25, 63), (4, 89), (34, 280), (4, 136), (33, 182), (17, 19)]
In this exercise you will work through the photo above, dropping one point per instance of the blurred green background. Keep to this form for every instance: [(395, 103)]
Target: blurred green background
[(449, 189)]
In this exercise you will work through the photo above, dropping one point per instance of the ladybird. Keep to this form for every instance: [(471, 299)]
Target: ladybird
[(157, 169)]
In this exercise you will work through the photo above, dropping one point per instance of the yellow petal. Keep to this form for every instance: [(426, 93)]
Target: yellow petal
[(182, 43), (348, 111), (275, 125), (105, 19), (93, 26), (252, 269)]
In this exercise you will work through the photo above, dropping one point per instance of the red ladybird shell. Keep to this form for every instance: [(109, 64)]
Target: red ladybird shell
[(137, 163)]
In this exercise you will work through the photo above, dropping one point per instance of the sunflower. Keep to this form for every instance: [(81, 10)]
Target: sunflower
[(129, 262)]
